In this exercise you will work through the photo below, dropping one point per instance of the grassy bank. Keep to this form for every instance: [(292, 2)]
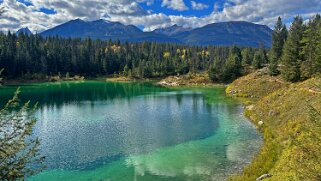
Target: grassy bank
[(289, 117)]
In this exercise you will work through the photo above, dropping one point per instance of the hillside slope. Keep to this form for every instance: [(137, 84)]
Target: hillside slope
[(289, 116)]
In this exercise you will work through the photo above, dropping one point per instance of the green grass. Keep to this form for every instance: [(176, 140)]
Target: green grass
[(292, 128)]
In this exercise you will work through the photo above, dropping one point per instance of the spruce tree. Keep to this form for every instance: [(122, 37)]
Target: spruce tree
[(258, 60), (233, 65), (278, 39), (247, 55), (19, 153), (310, 40), (317, 61), (291, 57), (214, 71)]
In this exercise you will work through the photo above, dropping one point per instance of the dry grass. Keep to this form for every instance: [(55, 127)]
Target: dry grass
[(187, 80), (291, 126), (256, 85)]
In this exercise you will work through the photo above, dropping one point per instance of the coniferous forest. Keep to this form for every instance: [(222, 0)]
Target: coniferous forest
[(32, 56), (294, 53)]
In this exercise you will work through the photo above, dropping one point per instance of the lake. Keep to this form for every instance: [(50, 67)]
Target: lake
[(96, 130)]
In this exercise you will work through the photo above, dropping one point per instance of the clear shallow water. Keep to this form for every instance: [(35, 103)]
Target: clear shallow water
[(133, 131)]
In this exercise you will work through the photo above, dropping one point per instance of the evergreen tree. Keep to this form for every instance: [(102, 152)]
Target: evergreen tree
[(309, 51), (291, 58), (258, 60), (233, 65), (214, 72), (279, 37), (317, 63), (247, 55), (19, 156)]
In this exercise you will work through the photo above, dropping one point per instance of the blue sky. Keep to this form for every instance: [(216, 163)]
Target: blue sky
[(157, 8), (40, 15)]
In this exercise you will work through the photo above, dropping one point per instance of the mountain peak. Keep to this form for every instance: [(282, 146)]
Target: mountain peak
[(172, 30), (240, 33), (25, 30)]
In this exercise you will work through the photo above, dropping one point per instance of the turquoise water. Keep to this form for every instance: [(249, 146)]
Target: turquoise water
[(137, 131)]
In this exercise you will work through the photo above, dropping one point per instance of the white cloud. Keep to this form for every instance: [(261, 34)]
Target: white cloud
[(130, 12), (198, 6), (178, 5)]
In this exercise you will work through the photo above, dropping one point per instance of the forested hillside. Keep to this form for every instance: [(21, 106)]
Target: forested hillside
[(32, 56)]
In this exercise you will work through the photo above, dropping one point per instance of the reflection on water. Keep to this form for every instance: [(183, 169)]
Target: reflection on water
[(119, 131)]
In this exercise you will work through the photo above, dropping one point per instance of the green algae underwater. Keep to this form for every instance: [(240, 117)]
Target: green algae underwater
[(94, 130)]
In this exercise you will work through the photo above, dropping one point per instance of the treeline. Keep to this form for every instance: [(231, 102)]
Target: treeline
[(35, 57), (296, 53)]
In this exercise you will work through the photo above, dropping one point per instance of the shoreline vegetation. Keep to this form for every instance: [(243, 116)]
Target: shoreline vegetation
[(197, 79), (288, 116)]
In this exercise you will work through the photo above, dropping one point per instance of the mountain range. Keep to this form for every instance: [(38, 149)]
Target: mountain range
[(239, 33)]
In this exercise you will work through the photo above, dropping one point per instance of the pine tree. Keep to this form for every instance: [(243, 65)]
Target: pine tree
[(317, 61), (258, 60), (19, 156), (233, 65), (215, 71), (310, 40), (247, 55), (278, 39), (291, 57)]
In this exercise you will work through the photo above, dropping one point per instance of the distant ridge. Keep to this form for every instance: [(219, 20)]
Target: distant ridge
[(173, 30), (229, 33), (105, 30), (24, 30), (239, 33)]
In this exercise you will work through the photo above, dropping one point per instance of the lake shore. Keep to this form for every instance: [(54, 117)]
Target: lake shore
[(20, 81), (188, 80), (282, 113)]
